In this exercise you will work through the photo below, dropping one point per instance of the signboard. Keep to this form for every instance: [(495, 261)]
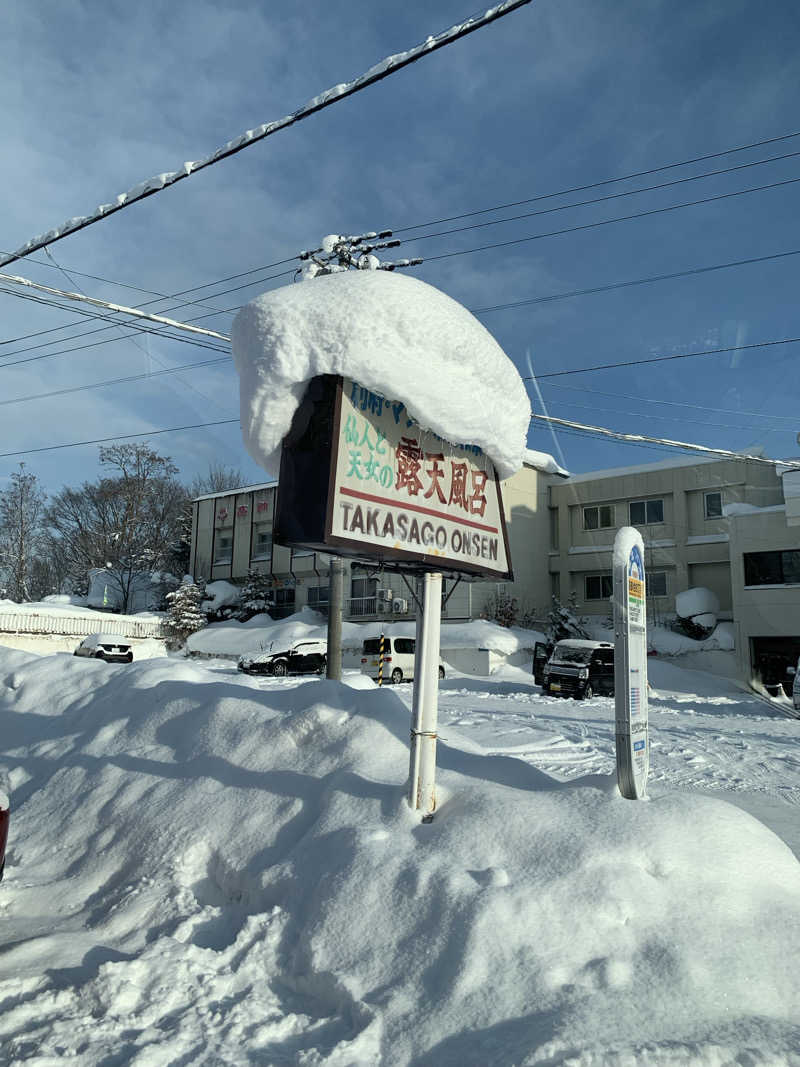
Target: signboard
[(393, 493), (630, 664)]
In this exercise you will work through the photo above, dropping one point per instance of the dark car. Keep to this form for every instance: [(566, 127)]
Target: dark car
[(4, 818), (580, 669), (305, 657)]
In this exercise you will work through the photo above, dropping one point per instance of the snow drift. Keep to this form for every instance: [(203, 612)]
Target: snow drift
[(206, 870), (393, 334)]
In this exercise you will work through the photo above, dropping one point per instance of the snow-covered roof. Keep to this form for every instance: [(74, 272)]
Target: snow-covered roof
[(645, 468), (392, 334), (235, 492), (543, 461)]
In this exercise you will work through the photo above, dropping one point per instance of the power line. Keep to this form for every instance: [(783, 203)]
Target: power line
[(663, 417), (602, 431), (598, 184), (127, 325), (604, 199), (118, 437), (80, 298), (676, 403), (610, 222), (636, 281), (661, 359), (381, 70)]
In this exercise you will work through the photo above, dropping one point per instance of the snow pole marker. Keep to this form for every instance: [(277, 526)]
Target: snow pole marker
[(380, 660), (630, 664)]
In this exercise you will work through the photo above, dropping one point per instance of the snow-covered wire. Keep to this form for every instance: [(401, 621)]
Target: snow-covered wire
[(16, 279), (381, 70), (639, 438)]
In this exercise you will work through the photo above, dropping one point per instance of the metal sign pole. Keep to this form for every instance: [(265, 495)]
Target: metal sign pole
[(630, 664), (422, 768), (335, 598)]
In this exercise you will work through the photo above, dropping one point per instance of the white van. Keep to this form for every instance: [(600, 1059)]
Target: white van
[(796, 687), (398, 659)]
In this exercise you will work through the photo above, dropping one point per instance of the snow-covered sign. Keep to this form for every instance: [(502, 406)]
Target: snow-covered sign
[(397, 494), (630, 663)]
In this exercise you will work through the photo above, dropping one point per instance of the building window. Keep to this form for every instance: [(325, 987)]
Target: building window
[(712, 505), (598, 518), (262, 544), (554, 528), (656, 583), (772, 568), (555, 585), (363, 596), (318, 594), (284, 597), (598, 586), (223, 548), (646, 512)]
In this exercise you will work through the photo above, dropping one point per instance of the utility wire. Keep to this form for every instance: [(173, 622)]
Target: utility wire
[(602, 199), (80, 298), (128, 325), (610, 222), (677, 403), (597, 184), (381, 70), (602, 431), (118, 437), (116, 381), (636, 281), (663, 359)]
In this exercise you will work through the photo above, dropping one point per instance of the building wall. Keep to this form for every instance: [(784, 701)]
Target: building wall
[(767, 611), (689, 545)]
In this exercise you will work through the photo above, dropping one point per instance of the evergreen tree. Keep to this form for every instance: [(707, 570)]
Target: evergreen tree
[(257, 595), (184, 616)]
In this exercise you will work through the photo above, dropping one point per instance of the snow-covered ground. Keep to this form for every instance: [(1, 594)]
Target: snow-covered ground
[(206, 868)]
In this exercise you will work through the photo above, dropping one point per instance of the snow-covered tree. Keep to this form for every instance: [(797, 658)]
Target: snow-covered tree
[(257, 595), (184, 616), (502, 608), (564, 622)]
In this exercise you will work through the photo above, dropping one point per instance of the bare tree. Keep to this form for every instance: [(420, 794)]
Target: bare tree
[(21, 508), (127, 522), (217, 479)]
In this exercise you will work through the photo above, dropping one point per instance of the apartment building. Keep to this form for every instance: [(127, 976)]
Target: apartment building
[(232, 534), (721, 524)]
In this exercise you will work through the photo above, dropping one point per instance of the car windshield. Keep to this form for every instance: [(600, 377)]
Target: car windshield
[(572, 655)]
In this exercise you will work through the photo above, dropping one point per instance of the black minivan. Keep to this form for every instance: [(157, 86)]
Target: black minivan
[(580, 669)]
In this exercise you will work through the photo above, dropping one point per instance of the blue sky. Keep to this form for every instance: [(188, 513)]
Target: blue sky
[(560, 94)]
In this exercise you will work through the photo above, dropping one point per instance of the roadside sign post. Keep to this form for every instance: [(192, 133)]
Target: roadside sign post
[(335, 596), (361, 479), (425, 706), (630, 664)]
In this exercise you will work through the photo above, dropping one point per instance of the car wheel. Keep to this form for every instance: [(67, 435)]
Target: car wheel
[(99, 655), (397, 676), (441, 673), (588, 693), (280, 669)]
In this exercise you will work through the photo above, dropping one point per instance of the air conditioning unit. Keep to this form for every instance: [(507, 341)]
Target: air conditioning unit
[(386, 594), (399, 606), (383, 606)]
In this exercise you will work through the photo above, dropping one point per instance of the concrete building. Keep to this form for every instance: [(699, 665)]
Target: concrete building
[(704, 523), (232, 533)]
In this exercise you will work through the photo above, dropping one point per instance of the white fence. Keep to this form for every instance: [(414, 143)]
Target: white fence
[(79, 625)]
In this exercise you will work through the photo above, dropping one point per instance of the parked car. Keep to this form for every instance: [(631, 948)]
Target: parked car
[(580, 669), (398, 659), (304, 657), (105, 646), (5, 806)]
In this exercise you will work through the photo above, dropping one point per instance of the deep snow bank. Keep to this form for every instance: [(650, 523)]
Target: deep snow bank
[(210, 871), (396, 335)]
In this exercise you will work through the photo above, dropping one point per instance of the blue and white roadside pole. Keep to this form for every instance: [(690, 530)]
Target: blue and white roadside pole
[(630, 664)]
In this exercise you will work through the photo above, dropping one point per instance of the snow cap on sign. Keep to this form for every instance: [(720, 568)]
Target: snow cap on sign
[(393, 334)]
